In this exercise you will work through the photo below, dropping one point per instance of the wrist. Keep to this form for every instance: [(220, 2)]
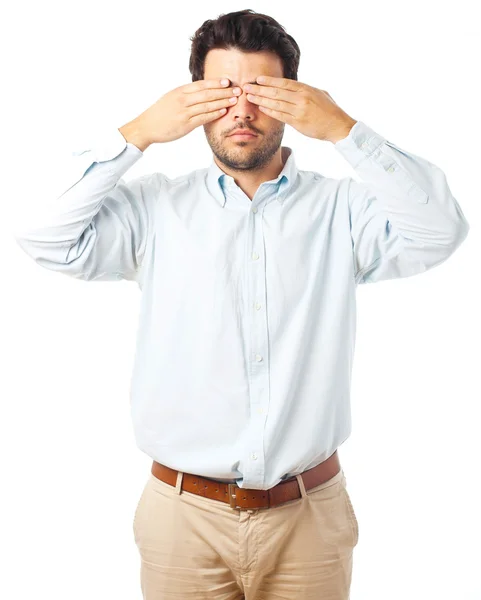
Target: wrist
[(134, 133), (343, 130)]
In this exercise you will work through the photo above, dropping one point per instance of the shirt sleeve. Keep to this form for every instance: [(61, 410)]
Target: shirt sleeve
[(403, 216), (97, 228)]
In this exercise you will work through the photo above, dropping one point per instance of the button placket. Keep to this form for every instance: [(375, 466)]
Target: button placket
[(258, 373)]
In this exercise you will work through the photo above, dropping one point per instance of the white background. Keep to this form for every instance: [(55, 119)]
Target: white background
[(71, 474)]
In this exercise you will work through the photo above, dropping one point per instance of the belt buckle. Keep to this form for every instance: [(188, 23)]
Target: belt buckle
[(232, 496)]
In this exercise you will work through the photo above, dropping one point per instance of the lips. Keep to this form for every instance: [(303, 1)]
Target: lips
[(243, 133)]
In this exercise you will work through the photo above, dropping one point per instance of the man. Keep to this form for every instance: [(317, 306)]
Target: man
[(248, 271)]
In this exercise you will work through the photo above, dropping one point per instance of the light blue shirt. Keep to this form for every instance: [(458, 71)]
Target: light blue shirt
[(246, 336)]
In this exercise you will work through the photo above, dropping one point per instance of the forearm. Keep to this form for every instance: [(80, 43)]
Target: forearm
[(406, 194), (53, 229)]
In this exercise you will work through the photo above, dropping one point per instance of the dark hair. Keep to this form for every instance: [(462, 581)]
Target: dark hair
[(247, 31)]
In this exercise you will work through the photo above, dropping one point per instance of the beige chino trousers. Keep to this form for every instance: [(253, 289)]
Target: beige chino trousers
[(192, 547)]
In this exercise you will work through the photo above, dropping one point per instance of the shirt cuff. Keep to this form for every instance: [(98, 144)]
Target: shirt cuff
[(361, 142), (99, 147), (104, 145)]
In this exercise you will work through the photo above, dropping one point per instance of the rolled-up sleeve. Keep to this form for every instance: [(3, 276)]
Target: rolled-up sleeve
[(97, 228), (403, 217)]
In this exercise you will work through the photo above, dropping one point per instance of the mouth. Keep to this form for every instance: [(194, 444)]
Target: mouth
[(245, 136)]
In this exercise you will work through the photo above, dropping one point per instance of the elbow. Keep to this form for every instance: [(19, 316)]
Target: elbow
[(44, 251), (21, 238), (450, 233), (459, 233)]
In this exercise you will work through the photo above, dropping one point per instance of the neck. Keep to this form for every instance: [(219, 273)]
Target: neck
[(249, 181)]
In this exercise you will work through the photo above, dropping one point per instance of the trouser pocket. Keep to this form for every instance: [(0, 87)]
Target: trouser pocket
[(351, 515)]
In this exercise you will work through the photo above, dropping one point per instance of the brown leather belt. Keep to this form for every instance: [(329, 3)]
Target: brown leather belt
[(244, 498)]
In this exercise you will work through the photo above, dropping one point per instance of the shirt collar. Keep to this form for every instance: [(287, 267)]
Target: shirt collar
[(217, 179)]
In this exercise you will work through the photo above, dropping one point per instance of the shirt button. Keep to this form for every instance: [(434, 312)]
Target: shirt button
[(254, 456), (391, 169), (364, 145), (254, 209), (258, 306), (255, 256), (258, 357), (260, 410)]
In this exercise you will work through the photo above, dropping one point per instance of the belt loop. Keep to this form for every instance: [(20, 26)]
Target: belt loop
[(178, 485), (302, 487)]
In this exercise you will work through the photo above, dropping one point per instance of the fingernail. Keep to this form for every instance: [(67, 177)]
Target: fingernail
[(224, 82)]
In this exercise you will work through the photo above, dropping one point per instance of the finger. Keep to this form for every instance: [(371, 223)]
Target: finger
[(204, 84), (277, 105), (203, 118), (286, 84), (207, 107), (277, 114), (208, 95), (272, 92)]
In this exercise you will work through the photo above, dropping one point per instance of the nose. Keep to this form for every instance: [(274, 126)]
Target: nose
[(243, 108)]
